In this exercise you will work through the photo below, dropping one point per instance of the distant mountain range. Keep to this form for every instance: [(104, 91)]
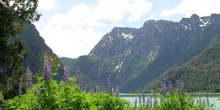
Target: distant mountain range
[(135, 58)]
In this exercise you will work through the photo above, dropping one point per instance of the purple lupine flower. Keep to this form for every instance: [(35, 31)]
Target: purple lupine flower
[(79, 78), (181, 86), (113, 91), (66, 74), (28, 77), (143, 96), (117, 92), (109, 82), (178, 84), (139, 98), (97, 89), (163, 87), (170, 86), (47, 69), (20, 88), (91, 91)]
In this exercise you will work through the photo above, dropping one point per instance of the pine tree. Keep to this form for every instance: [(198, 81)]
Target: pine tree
[(14, 16)]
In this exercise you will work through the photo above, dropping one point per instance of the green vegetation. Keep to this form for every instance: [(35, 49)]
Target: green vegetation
[(49, 94), (41, 91), (201, 73), (15, 14), (62, 96)]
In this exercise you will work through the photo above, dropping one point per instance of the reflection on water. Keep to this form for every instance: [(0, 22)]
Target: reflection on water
[(212, 98)]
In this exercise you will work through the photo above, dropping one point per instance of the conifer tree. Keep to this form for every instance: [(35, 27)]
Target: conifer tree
[(14, 16)]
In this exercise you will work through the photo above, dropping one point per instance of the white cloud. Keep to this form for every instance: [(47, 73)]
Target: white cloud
[(113, 11), (137, 9), (152, 16), (189, 7), (47, 4), (74, 33)]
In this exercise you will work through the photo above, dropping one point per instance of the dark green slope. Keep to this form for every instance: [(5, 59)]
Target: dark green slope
[(36, 47), (87, 65), (201, 73)]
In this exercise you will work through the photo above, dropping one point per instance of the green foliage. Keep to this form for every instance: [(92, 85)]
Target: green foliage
[(105, 101), (15, 14), (201, 73), (62, 96), (179, 101)]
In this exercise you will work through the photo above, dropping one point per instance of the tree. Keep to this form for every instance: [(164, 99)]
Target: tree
[(14, 16)]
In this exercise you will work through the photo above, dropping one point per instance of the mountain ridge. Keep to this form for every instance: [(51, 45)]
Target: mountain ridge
[(134, 57)]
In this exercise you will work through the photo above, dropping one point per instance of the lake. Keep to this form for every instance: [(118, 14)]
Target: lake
[(213, 98)]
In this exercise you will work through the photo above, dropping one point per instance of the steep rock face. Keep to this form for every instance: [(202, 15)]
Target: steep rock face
[(135, 57)]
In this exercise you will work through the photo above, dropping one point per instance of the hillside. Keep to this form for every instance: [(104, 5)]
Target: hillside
[(201, 73), (134, 58), (36, 47)]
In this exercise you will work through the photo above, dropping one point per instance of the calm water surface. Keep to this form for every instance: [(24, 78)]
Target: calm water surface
[(212, 97)]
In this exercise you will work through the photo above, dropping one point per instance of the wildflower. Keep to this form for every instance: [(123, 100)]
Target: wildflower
[(170, 86), (97, 89), (66, 74), (178, 84), (117, 92), (28, 77), (113, 91), (20, 88), (79, 78), (143, 96), (109, 82), (91, 91), (139, 98), (182, 86), (47, 69), (163, 87)]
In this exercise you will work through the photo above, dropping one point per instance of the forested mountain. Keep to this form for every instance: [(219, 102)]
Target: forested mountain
[(133, 58), (36, 47), (201, 73)]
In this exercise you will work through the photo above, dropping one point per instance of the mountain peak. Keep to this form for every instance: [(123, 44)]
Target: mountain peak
[(135, 57)]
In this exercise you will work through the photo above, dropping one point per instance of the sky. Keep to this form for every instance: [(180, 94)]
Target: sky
[(71, 28)]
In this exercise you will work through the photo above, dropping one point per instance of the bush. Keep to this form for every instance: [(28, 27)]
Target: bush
[(62, 96)]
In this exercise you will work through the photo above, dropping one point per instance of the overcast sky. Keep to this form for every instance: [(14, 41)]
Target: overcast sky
[(73, 27)]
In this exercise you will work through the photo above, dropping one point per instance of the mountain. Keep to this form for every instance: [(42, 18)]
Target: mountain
[(134, 58), (201, 72), (36, 47)]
